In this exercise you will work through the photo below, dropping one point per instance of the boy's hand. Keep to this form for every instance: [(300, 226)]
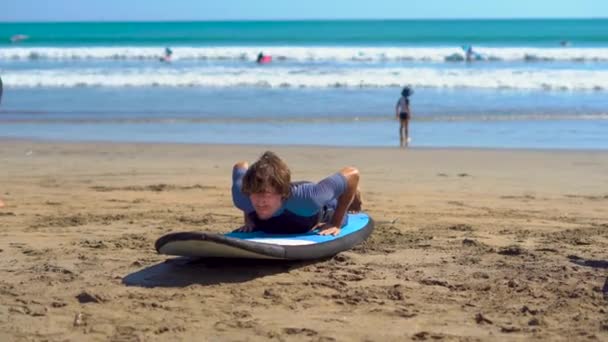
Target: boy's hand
[(245, 228), (327, 229)]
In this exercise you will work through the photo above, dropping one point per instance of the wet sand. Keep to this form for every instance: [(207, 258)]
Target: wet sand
[(468, 245)]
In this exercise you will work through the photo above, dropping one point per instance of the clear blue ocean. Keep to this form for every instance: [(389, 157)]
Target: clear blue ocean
[(534, 84)]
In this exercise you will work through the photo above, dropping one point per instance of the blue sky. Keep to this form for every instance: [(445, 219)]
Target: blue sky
[(113, 10)]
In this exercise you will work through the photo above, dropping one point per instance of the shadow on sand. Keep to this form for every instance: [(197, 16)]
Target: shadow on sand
[(592, 263), (182, 271), (588, 262)]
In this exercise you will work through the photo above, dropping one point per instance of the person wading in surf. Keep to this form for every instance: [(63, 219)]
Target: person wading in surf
[(404, 114)]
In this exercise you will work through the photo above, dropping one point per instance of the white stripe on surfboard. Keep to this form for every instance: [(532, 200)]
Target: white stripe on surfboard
[(283, 242)]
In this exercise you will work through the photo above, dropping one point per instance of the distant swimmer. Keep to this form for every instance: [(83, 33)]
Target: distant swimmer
[(564, 43), (18, 37), (167, 56), (262, 59), (469, 53)]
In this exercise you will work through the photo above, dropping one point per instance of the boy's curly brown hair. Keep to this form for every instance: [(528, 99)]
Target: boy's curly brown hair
[(268, 171)]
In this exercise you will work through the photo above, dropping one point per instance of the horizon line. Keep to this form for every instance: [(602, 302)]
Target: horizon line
[(294, 20)]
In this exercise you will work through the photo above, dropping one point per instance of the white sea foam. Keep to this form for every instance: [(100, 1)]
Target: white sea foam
[(301, 53), (516, 78)]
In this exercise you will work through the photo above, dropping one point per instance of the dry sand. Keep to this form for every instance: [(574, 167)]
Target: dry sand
[(469, 245)]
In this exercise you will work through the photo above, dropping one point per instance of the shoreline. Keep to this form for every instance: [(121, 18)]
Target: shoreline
[(43, 141)]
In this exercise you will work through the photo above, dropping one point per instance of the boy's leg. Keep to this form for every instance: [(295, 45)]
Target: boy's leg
[(407, 132)]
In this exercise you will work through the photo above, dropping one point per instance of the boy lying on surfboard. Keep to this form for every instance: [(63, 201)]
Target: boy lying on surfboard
[(272, 203)]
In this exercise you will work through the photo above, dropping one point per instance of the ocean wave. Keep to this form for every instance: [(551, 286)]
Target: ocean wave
[(276, 77), (295, 53)]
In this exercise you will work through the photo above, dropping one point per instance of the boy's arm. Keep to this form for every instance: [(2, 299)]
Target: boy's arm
[(240, 200), (351, 175)]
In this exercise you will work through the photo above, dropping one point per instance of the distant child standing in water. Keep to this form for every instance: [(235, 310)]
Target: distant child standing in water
[(404, 114)]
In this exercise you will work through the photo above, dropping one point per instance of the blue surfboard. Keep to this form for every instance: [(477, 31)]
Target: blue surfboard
[(260, 245)]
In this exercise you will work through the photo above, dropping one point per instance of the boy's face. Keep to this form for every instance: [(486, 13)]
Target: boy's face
[(266, 203)]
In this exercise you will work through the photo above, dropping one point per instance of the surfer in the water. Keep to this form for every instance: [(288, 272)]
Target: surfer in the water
[(260, 57), (272, 203), (263, 59), (167, 56)]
